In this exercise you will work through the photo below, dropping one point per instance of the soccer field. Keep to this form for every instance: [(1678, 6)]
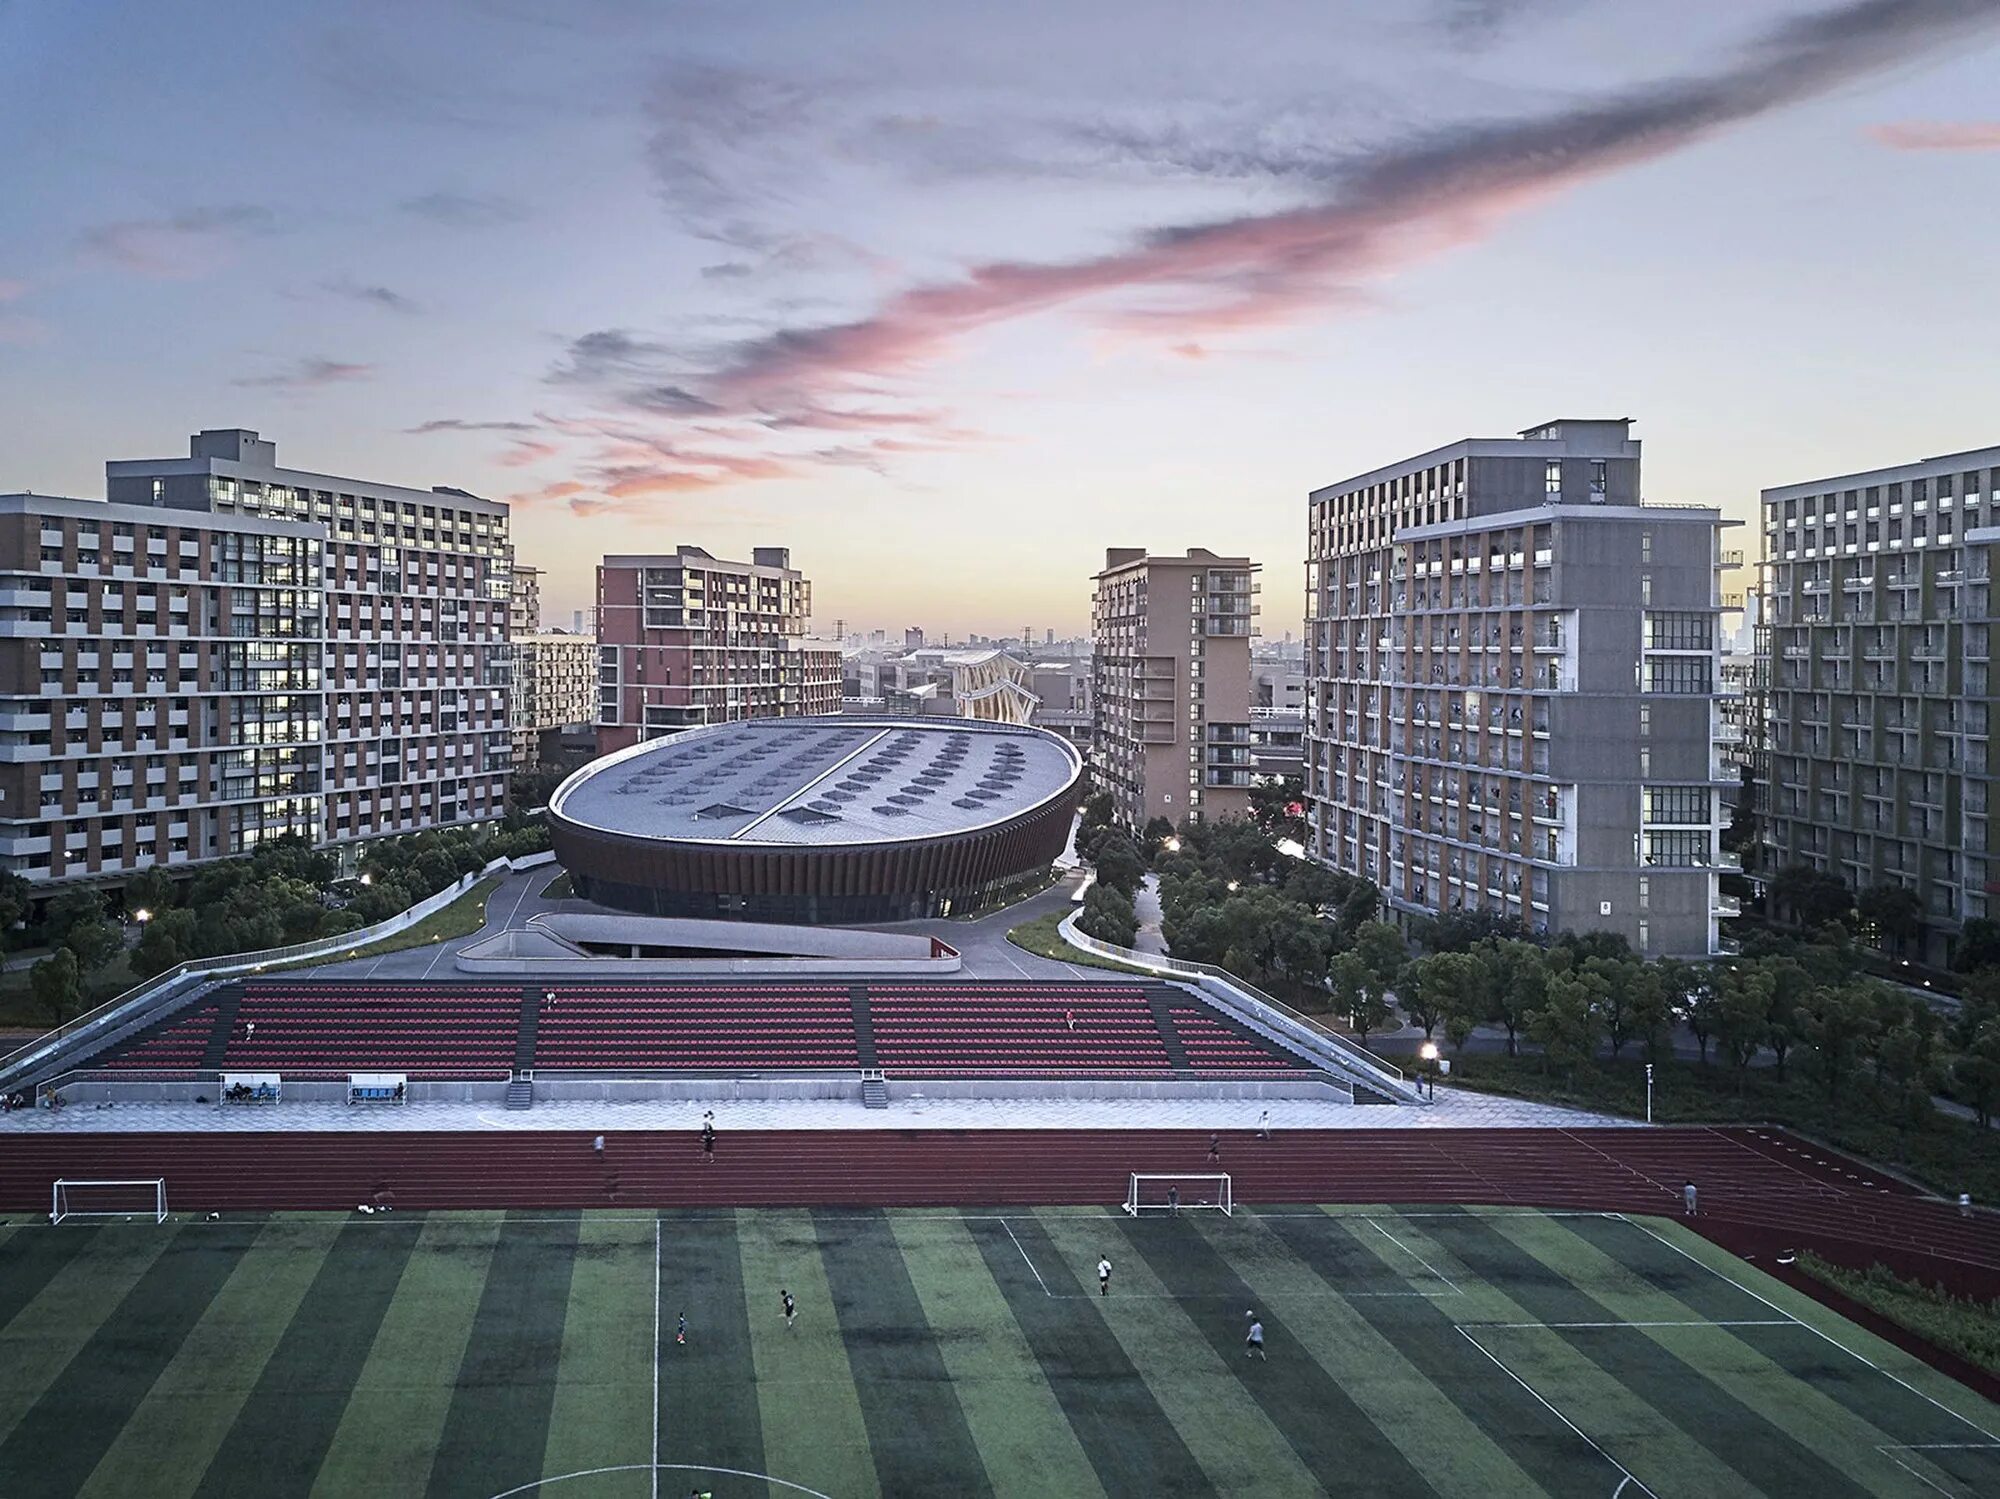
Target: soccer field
[(1477, 1353)]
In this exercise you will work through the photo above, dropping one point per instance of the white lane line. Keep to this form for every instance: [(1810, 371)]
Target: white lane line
[(1567, 1326), (1502, 1367)]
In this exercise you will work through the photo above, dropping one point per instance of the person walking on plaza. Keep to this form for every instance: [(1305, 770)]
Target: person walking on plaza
[(1103, 1276), (1687, 1199), (1253, 1341), (681, 1332), (791, 1306)]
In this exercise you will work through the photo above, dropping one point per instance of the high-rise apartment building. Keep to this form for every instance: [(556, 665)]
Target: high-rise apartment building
[(1513, 703), (160, 686), (413, 674), (688, 639), (1171, 696), (1879, 610), (555, 685), (524, 602)]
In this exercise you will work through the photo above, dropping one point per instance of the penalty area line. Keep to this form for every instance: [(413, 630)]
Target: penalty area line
[(1627, 1476)]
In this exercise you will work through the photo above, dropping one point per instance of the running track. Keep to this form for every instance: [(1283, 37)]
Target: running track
[(1762, 1191)]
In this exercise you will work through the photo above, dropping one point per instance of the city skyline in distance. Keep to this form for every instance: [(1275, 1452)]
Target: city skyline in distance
[(948, 305)]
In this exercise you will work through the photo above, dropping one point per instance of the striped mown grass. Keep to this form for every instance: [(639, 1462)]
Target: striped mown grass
[(1475, 1353)]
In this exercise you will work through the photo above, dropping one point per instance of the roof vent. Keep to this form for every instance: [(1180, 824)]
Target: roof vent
[(715, 811)]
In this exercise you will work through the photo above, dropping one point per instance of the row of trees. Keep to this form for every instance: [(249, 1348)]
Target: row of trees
[(285, 892)]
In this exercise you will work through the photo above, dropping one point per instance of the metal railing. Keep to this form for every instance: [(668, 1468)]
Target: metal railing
[(1285, 1014)]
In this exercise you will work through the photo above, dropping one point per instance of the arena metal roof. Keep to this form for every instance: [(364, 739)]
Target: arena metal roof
[(820, 781)]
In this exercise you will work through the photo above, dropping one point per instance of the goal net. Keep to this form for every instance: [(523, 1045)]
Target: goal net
[(138, 1198), (1152, 1193)]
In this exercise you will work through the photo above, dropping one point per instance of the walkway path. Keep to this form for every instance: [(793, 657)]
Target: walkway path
[(1453, 1110)]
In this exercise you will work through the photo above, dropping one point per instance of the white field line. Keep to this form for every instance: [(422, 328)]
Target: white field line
[(1376, 1225), (655, 1465), (1627, 1474), (1828, 1337)]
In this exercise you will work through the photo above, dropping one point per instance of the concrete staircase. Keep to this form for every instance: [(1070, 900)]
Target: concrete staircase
[(520, 1091)]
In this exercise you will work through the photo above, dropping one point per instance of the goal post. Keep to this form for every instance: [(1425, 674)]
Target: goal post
[(1155, 1192), (135, 1197)]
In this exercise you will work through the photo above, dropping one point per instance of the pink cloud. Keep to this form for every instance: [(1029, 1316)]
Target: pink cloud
[(12, 290), (191, 243), (1939, 135), (526, 451), (1403, 203)]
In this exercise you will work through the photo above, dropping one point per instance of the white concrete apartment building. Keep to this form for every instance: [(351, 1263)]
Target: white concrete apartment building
[(1514, 695), (414, 667), (1171, 696), (1879, 612), (555, 686)]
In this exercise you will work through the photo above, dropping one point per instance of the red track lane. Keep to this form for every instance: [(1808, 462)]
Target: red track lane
[(1750, 1180)]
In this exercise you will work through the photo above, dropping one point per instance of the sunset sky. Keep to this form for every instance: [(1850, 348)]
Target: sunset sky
[(949, 297)]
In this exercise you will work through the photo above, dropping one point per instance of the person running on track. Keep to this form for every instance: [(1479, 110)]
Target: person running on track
[(1687, 1199), (1174, 1198), (791, 1306), (1253, 1341), (707, 1141), (1214, 1146), (1103, 1276), (1264, 1125)]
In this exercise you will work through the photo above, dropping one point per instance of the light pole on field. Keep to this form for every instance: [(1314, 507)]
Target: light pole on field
[(1649, 1092)]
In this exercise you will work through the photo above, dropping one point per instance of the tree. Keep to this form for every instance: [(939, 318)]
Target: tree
[(69, 909), (1790, 984), (1097, 810), (1118, 865), (1420, 990), (1810, 897), (1108, 916), (1568, 1023), (150, 890), (1358, 993), (1836, 1024), (1620, 989), (169, 938), (57, 984), (95, 943), (1437, 985), (1702, 1007), (1743, 1013), (1153, 841), (1381, 947), (1975, 1072), (14, 896), (1651, 1007), (1461, 931), (1517, 985), (1978, 945), (1897, 914)]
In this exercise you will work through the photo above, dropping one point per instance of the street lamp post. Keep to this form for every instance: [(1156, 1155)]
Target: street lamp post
[(1649, 1092), (1429, 1052)]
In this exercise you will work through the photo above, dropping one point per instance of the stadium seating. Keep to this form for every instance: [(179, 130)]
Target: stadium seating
[(968, 1028), (1212, 1046), (175, 1044), (440, 1031), (956, 1030), (701, 1027)]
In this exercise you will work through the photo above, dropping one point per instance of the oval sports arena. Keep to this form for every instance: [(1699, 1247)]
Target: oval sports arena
[(836, 820)]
